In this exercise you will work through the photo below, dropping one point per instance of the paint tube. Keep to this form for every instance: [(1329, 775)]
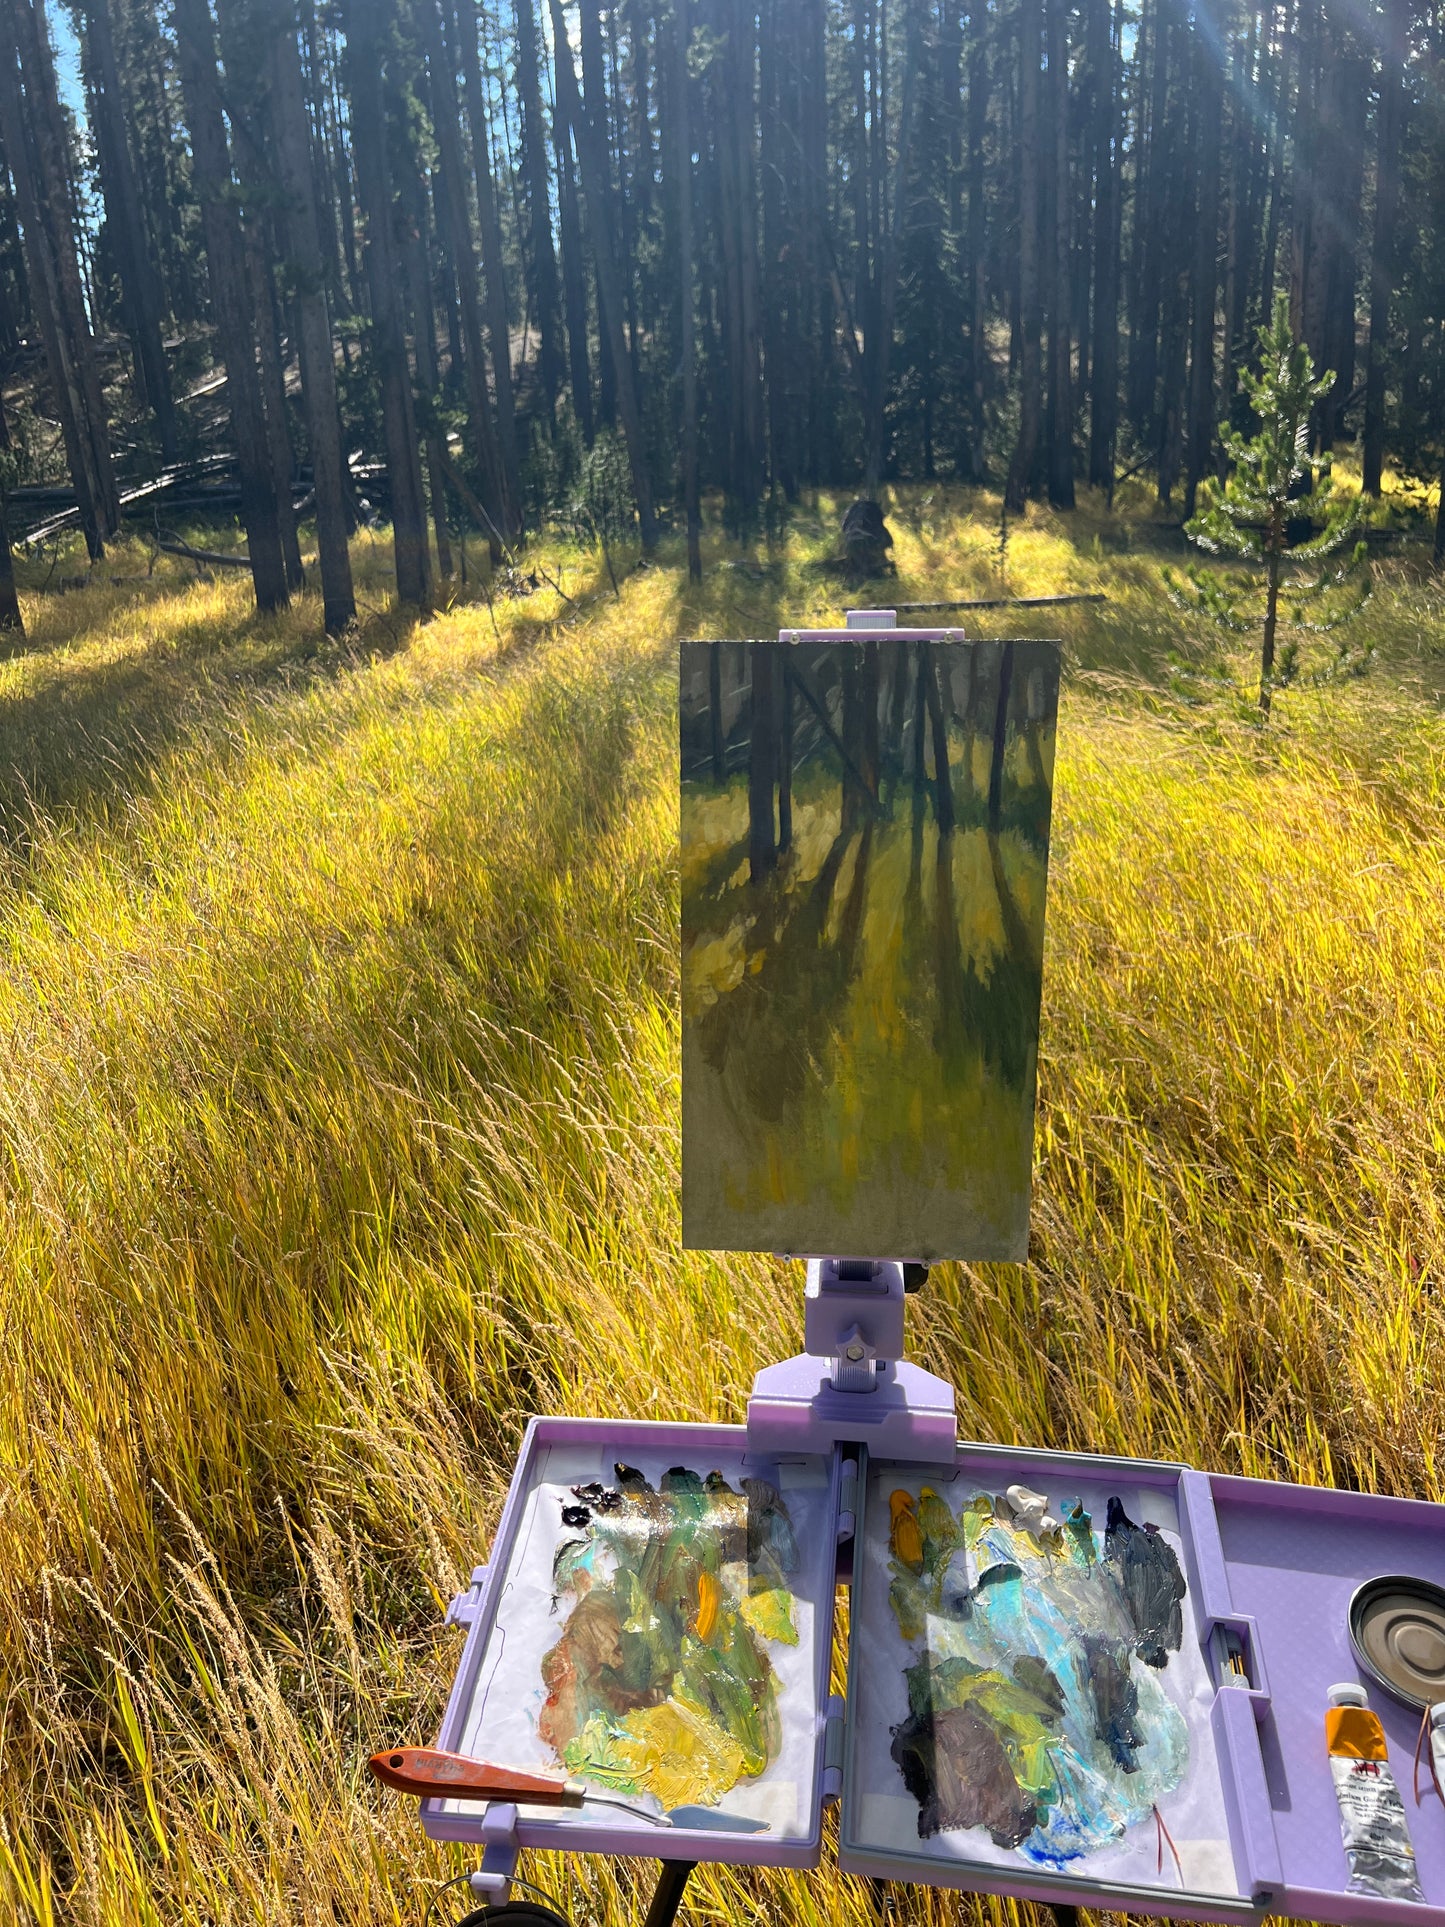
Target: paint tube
[(1372, 1814)]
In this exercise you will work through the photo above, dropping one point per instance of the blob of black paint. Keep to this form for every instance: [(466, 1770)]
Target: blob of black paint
[(630, 1479), (589, 1493), (1150, 1584), (1116, 1699), (609, 1499), (576, 1515)]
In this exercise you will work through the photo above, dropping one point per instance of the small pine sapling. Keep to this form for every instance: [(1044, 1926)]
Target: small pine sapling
[(1275, 486)]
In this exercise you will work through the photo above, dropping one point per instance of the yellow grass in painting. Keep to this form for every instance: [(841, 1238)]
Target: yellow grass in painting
[(338, 1040)]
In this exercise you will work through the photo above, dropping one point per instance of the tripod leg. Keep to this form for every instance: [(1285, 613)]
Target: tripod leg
[(1065, 1916), (667, 1894)]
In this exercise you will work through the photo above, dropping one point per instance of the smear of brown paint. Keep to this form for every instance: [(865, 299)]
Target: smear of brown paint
[(955, 1766)]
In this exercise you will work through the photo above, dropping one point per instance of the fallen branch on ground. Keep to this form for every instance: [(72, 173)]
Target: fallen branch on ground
[(1001, 602)]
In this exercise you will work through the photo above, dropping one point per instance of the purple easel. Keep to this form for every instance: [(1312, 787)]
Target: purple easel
[(1271, 1569)]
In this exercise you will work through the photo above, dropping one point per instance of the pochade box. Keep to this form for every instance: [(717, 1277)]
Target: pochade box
[(1115, 1697)]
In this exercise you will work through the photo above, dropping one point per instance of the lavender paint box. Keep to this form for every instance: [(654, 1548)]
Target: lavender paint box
[(1152, 1777), (657, 1618)]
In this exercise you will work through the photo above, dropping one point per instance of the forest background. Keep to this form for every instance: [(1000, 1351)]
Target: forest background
[(606, 261)]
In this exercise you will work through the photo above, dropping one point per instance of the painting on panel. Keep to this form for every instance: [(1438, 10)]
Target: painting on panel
[(865, 837), (1030, 1689)]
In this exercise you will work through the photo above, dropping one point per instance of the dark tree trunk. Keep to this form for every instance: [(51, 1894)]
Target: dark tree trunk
[(365, 43), (1025, 456), (318, 365), (588, 130), (1382, 252), (273, 399), (686, 296), (942, 775), (1205, 277), (574, 280), (140, 282), (1061, 396), (499, 332), (1104, 375), (230, 301), (11, 621), (539, 254)]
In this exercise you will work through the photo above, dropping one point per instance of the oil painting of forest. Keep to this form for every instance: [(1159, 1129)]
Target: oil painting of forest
[(865, 834)]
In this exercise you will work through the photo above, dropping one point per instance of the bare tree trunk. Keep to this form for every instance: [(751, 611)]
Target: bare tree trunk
[(447, 126), (574, 279), (11, 621), (682, 167), (541, 258), (1061, 395), (408, 509), (273, 400), (1025, 455), (942, 775), (318, 365), (1382, 251), (1104, 379), (499, 332), (1205, 277), (591, 141), (140, 282), (1000, 738), (226, 265)]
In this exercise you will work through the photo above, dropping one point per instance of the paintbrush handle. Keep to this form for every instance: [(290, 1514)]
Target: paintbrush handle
[(428, 1771)]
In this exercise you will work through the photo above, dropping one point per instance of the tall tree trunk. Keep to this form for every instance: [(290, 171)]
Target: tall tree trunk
[(574, 278), (1061, 395), (978, 356), (762, 762), (446, 120), (591, 141), (318, 365), (1209, 53), (1395, 25), (686, 296), (140, 283), (1026, 448), (11, 620), (230, 301), (540, 256), (499, 333), (273, 399), (365, 40), (1104, 375)]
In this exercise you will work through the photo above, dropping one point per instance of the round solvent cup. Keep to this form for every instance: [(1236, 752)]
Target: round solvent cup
[(1397, 1628)]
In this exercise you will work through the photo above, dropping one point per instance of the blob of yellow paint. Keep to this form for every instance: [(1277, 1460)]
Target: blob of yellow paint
[(709, 1597), (770, 1614), (905, 1541), (677, 1753)]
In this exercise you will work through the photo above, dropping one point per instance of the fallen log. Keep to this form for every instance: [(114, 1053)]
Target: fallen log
[(211, 558), (1001, 602)]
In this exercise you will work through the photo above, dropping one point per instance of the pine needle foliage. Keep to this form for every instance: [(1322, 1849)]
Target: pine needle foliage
[(1275, 486)]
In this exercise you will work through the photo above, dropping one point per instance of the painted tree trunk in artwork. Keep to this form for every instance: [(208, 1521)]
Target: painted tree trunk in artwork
[(11, 621), (408, 508), (1026, 448), (588, 131), (1000, 737), (942, 774), (1382, 250), (785, 766), (762, 762), (717, 742), (302, 236), (230, 302), (140, 283)]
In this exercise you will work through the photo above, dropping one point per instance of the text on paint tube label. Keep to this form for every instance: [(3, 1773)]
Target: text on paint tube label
[(1374, 1830)]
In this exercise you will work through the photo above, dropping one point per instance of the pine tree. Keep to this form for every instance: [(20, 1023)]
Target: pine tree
[(1275, 484)]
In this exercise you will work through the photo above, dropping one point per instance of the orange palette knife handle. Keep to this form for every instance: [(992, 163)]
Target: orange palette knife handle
[(428, 1771)]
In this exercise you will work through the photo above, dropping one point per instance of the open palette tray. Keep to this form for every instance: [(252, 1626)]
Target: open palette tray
[(1019, 1737)]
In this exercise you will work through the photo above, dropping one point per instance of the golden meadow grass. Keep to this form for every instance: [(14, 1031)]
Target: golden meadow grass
[(338, 1038)]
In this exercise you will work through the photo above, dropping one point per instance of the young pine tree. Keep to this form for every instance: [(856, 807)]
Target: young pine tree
[(1275, 484)]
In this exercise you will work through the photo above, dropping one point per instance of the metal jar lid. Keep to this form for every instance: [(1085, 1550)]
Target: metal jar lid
[(1397, 1630)]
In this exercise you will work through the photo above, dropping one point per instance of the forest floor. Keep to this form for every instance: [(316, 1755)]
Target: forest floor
[(339, 1098)]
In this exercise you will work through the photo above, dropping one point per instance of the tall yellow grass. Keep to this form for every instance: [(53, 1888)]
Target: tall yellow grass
[(338, 1105)]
